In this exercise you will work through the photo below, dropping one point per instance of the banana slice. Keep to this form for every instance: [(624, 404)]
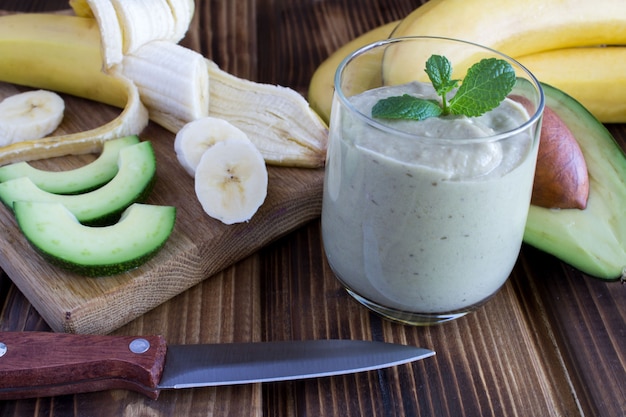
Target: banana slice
[(231, 181), (198, 136), (30, 115)]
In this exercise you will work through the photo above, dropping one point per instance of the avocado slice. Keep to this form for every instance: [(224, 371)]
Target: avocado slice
[(132, 183), (95, 251), (592, 240), (73, 181)]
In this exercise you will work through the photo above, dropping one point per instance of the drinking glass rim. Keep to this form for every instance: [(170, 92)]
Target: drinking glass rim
[(397, 132)]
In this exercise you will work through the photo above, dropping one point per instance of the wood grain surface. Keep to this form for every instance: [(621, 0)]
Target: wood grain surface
[(551, 343), (198, 247)]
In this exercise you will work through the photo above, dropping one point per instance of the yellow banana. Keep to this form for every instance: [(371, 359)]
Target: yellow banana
[(514, 28), (511, 27), (592, 76), (63, 53), (58, 54), (595, 76), (321, 87)]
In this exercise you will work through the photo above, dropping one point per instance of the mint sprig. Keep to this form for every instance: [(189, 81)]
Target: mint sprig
[(485, 85)]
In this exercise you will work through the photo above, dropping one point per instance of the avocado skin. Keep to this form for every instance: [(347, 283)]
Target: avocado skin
[(592, 240), (96, 271)]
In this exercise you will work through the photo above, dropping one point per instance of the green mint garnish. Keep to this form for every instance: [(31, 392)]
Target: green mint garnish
[(439, 71), (406, 107), (486, 84)]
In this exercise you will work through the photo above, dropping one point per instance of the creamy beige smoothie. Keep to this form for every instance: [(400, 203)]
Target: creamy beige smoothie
[(417, 225)]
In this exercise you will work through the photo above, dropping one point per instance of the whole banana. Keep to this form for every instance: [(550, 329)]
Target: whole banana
[(558, 41), (321, 86), (595, 76), (519, 28), (526, 28)]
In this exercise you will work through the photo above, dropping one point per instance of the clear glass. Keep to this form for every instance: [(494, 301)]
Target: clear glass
[(423, 224)]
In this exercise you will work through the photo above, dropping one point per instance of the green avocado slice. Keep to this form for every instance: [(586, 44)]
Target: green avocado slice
[(592, 240), (73, 181), (95, 251), (132, 183)]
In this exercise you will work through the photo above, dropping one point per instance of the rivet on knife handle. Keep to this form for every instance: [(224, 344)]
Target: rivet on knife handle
[(38, 364)]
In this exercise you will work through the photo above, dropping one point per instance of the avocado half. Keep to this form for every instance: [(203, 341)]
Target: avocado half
[(57, 235), (73, 181), (592, 240), (132, 183)]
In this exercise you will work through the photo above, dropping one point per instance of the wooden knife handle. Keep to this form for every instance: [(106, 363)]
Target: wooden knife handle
[(41, 364)]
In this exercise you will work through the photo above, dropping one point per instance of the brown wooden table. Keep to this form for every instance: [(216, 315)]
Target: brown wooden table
[(551, 343)]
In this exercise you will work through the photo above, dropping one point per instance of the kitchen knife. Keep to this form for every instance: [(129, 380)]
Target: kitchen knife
[(37, 364)]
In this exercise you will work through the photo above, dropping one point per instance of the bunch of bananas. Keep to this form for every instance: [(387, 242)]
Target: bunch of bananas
[(578, 46), (126, 54)]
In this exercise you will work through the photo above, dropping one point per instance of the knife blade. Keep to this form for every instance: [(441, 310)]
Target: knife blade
[(39, 364)]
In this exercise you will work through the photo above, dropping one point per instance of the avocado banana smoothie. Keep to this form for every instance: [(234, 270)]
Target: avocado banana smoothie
[(426, 228), (422, 221)]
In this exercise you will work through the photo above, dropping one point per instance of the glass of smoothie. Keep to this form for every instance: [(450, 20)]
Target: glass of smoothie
[(423, 220)]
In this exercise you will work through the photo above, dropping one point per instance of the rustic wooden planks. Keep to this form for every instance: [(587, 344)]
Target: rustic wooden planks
[(552, 343), (225, 308), (501, 359)]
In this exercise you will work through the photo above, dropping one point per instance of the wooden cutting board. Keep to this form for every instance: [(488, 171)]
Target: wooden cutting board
[(198, 248)]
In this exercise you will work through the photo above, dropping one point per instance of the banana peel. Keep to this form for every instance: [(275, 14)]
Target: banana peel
[(63, 54), (76, 71)]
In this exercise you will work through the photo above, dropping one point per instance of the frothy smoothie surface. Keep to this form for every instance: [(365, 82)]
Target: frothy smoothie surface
[(426, 225)]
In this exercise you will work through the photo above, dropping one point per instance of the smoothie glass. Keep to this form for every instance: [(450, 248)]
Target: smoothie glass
[(423, 225)]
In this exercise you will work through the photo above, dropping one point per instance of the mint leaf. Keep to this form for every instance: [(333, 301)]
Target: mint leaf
[(406, 107), (486, 84), (439, 71)]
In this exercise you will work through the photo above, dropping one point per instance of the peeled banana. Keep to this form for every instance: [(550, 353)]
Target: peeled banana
[(139, 30), (59, 52), (173, 82), (30, 115), (66, 55), (111, 37), (126, 25), (278, 120)]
